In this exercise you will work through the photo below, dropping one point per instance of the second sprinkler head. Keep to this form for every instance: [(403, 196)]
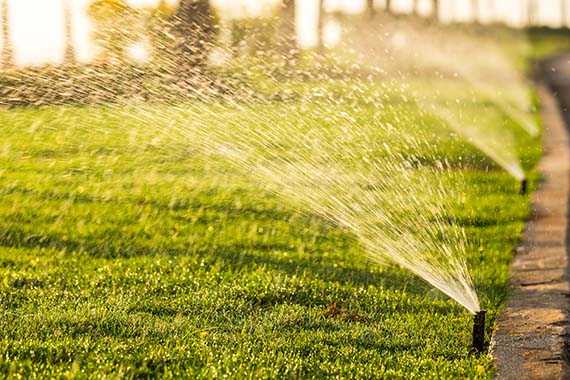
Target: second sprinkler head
[(523, 190)]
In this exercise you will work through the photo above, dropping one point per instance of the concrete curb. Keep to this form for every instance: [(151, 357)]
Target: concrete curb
[(530, 337)]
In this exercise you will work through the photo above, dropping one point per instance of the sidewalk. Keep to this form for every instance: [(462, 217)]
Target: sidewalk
[(530, 338)]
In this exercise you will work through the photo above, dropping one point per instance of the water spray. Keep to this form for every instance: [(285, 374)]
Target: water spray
[(479, 332), (523, 190)]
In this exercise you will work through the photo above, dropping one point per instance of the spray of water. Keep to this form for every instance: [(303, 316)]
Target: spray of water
[(374, 180), (409, 50), (487, 140), (336, 137), (396, 207)]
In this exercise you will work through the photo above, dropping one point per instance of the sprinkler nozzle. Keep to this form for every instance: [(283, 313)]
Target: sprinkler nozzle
[(524, 187), (479, 332)]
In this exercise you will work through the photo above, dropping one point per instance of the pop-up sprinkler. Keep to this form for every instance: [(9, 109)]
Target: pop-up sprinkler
[(524, 187), (479, 331)]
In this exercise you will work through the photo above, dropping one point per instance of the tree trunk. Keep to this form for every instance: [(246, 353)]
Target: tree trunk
[(69, 55), (7, 48), (532, 12), (564, 13), (389, 6), (370, 8), (195, 32), (321, 25), (288, 29), (475, 10), (435, 10)]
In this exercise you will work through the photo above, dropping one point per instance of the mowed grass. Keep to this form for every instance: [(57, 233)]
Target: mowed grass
[(125, 253)]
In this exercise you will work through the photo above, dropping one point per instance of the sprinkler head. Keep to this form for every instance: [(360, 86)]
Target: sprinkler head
[(524, 187), (479, 332)]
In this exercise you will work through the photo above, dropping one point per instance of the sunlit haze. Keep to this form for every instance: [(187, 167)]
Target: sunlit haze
[(37, 26)]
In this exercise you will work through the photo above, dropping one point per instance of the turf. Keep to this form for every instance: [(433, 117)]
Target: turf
[(124, 253), (120, 258)]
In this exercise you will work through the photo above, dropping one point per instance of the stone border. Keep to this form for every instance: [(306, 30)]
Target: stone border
[(530, 337)]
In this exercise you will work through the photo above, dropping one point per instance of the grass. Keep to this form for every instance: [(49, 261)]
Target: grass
[(547, 42), (119, 258)]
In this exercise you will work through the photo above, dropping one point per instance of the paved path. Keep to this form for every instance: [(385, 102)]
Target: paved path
[(532, 334)]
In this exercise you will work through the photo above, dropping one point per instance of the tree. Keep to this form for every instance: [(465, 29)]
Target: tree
[(371, 8), (564, 13), (157, 29), (435, 10), (69, 55), (7, 48), (388, 6), (532, 12), (416, 7), (321, 25), (288, 30), (475, 9), (194, 29), (113, 21)]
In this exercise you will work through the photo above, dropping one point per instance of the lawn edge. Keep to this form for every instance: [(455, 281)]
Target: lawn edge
[(529, 339)]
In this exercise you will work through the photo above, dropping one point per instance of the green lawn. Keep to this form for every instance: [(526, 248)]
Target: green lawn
[(125, 253), (547, 42)]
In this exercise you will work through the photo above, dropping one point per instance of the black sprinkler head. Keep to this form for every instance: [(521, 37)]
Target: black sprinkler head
[(479, 332), (524, 187)]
